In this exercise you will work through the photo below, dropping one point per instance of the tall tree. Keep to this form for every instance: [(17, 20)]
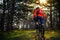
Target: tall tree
[(11, 11), (59, 11), (53, 3), (3, 15)]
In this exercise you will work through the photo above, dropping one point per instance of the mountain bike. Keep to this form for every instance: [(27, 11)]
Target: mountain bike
[(39, 32)]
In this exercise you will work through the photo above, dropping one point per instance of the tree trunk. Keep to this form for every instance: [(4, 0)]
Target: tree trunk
[(59, 12)]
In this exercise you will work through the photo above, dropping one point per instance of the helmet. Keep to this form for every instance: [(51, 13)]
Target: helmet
[(37, 6)]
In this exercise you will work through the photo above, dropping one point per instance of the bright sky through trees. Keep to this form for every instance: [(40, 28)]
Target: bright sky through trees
[(1, 1), (42, 1)]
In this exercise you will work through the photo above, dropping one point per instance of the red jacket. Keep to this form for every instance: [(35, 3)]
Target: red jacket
[(40, 13)]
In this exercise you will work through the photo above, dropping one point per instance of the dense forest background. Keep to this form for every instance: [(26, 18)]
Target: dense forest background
[(18, 14)]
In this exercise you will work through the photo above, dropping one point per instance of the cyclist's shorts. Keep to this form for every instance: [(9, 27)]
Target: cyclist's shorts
[(41, 20)]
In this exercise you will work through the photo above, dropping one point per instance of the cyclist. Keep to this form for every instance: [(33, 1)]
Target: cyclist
[(39, 15)]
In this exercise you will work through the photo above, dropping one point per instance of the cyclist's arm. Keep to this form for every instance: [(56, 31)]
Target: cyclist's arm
[(34, 14)]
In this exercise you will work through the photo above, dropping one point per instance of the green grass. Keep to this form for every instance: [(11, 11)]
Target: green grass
[(28, 35)]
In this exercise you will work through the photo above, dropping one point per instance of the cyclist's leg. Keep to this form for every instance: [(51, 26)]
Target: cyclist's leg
[(37, 24), (42, 28), (36, 27)]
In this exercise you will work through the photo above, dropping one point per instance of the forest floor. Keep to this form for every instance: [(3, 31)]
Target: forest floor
[(28, 35)]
